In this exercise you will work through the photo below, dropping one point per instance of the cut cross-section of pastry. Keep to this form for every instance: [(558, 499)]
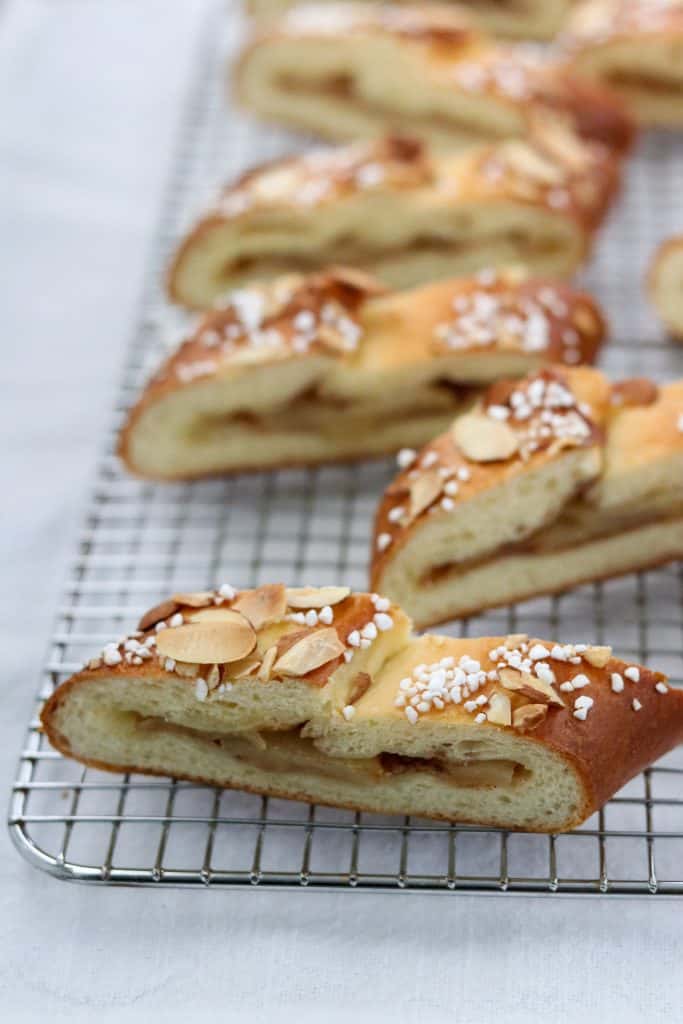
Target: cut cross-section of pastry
[(325, 696), (665, 285), (327, 367), (360, 71), (553, 481), (392, 208), (636, 48), (533, 19)]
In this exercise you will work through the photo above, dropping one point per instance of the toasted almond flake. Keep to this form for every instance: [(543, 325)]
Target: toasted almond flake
[(313, 650), (198, 599), (157, 614), (500, 711), (530, 164), (483, 439), (597, 656), (331, 339), (529, 716), (360, 685), (315, 597), (263, 605), (515, 640), (585, 320), (218, 613), (245, 667), (560, 143), (267, 664), (510, 678), (209, 642), (424, 490), (539, 692), (213, 677)]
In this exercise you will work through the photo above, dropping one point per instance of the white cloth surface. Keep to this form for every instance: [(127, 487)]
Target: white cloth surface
[(90, 94)]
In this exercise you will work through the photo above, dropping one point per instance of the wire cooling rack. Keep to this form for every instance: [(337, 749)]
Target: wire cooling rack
[(140, 541)]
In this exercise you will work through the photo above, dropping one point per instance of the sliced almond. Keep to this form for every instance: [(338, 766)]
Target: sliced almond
[(313, 650), (529, 716), (330, 339), (209, 642), (213, 677), (245, 667), (585, 320), (539, 691), (598, 656), (425, 490), (561, 143), (514, 640), (214, 614), (267, 664), (359, 686), (198, 599), (499, 710), (510, 678), (263, 605), (315, 597), (530, 164), (529, 686), (158, 613), (483, 439)]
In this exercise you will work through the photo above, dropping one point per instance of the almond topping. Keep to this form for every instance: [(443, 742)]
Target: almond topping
[(157, 614), (561, 144), (359, 686), (263, 605), (483, 439), (499, 710), (539, 691), (529, 686), (213, 677), (529, 716), (200, 599), (245, 667), (425, 490), (267, 664), (312, 651), (527, 162), (514, 640), (209, 642), (214, 614), (598, 656), (315, 597)]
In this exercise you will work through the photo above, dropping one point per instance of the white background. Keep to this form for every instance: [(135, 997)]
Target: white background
[(89, 100)]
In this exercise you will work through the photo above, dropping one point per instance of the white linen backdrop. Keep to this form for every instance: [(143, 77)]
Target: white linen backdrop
[(90, 94)]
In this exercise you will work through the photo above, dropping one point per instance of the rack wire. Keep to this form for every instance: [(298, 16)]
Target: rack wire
[(141, 541)]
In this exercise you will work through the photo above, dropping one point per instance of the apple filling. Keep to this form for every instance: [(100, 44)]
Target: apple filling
[(286, 751)]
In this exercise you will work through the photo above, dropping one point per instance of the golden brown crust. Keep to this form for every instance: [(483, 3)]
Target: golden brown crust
[(491, 315), (554, 172), (454, 56)]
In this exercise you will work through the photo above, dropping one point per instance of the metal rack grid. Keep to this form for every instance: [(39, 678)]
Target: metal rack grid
[(140, 541)]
